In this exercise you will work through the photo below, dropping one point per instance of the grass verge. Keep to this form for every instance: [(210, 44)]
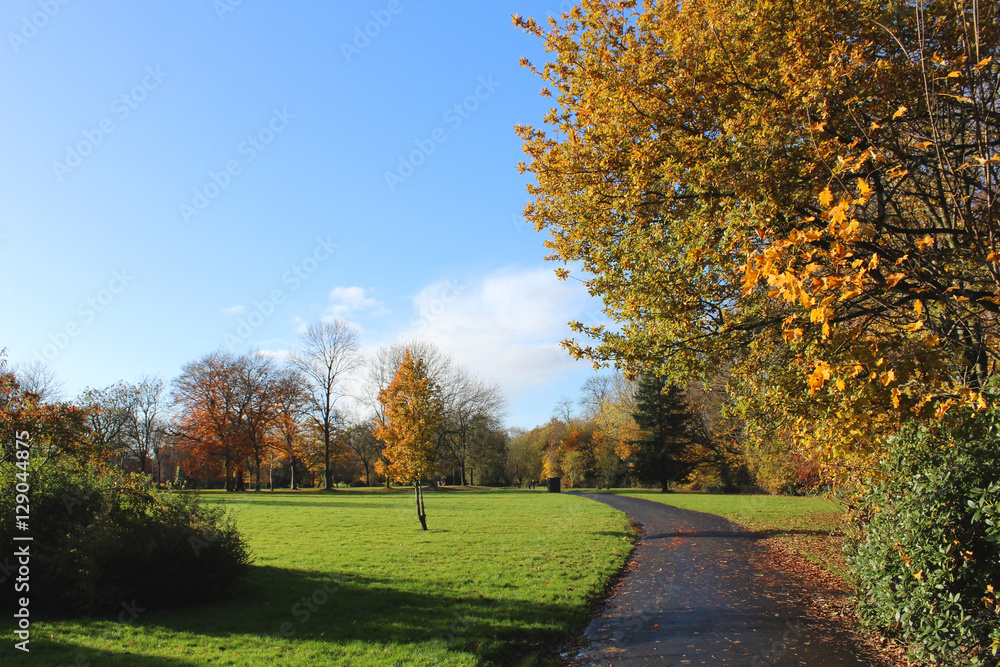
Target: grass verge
[(350, 579), (813, 527)]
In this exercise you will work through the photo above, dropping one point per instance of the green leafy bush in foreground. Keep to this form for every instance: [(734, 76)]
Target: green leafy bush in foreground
[(103, 539), (927, 554)]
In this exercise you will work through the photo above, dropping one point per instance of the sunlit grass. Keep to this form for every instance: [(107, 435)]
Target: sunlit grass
[(350, 579)]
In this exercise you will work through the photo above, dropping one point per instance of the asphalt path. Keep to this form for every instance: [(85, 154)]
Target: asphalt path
[(700, 592)]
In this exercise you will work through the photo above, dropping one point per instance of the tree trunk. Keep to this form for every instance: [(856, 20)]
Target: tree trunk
[(421, 514), (292, 487), (327, 473)]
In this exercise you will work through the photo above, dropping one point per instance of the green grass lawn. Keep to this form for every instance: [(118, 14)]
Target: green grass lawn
[(812, 526), (350, 579)]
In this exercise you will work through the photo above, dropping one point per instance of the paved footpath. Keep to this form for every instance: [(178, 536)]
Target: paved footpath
[(695, 596)]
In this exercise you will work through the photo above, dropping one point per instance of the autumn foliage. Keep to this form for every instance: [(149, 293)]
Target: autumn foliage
[(409, 426), (804, 192)]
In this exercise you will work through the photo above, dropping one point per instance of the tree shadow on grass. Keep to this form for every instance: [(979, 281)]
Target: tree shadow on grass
[(277, 607)]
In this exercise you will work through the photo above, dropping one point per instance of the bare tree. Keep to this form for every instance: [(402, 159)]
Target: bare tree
[(594, 393), (39, 379), (328, 352), (366, 447), (469, 402), (144, 435), (109, 416), (564, 409)]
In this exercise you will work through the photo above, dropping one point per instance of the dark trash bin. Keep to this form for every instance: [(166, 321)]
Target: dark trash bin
[(554, 484)]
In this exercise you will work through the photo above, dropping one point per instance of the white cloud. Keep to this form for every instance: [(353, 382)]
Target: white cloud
[(347, 300), (234, 310), (507, 325)]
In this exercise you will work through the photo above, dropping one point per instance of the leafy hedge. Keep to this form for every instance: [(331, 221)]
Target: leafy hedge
[(927, 554), (104, 541)]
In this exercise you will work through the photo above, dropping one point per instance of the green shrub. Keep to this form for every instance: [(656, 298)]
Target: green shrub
[(103, 539), (927, 553)]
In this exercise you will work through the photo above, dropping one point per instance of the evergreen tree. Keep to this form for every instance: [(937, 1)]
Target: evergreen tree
[(671, 431)]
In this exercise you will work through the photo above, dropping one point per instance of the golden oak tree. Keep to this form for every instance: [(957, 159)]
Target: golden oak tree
[(803, 190), (411, 416)]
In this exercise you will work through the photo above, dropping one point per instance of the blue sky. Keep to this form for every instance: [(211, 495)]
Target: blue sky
[(182, 176)]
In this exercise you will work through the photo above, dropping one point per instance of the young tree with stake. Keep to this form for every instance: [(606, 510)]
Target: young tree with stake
[(411, 417)]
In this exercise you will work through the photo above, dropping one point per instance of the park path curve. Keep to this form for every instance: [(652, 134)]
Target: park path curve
[(697, 593)]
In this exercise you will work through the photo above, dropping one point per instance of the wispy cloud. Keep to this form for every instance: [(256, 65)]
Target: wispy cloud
[(234, 310), (346, 301), (506, 325)]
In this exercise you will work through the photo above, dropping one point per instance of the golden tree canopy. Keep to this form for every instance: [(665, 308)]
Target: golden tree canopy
[(412, 417)]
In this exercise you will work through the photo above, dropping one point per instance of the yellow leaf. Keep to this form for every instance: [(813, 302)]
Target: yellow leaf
[(914, 326), (841, 385), (899, 112), (819, 377), (894, 279), (865, 189), (954, 75), (983, 63), (918, 307), (993, 257), (826, 197), (918, 575), (925, 242), (924, 144)]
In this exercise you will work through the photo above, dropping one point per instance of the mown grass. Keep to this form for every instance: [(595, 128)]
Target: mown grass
[(811, 526), (350, 579)]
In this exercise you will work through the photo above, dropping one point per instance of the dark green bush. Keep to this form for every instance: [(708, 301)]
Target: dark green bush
[(103, 539), (927, 553)]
